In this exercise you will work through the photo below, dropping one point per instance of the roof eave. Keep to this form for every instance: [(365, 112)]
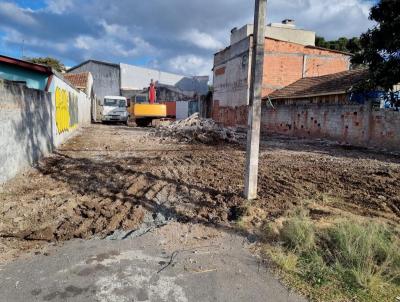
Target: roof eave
[(306, 95), (331, 50), (27, 65), (94, 61)]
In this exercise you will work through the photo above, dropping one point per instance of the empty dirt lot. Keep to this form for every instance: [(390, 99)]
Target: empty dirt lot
[(111, 177)]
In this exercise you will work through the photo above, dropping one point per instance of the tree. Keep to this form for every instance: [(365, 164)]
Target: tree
[(320, 42), (380, 46), (353, 45), (48, 61), (342, 44)]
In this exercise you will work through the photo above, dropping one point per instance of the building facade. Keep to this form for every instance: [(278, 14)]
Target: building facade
[(84, 82), (106, 77), (290, 54), (34, 76)]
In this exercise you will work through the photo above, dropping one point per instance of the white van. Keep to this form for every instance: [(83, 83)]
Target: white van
[(115, 109)]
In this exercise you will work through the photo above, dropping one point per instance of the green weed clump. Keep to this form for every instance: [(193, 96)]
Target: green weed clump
[(361, 258), (298, 233), (365, 254)]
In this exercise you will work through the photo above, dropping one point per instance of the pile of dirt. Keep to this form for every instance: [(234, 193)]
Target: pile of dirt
[(196, 129)]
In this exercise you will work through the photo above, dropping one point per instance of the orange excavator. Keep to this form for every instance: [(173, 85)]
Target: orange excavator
[(144, 109)]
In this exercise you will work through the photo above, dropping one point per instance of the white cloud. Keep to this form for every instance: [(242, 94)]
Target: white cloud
[(331, 20), (115, 40), (92, 47), (13, 12), (190, 65), (15, 37), (116, 32), (84, 42), (175, 35), (202, 40), (59, 6), (119, 31)]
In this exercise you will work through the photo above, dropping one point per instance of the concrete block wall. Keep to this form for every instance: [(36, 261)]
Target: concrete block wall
[(232, 74), (28, 124), (357, 125), (25, 127), (384, 129)]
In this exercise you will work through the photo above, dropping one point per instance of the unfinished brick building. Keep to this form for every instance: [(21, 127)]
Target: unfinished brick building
[(290, 55)]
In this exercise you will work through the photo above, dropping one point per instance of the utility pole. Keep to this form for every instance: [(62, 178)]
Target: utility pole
[(254, 121)]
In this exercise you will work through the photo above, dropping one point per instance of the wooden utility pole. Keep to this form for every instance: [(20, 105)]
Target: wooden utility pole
[(254, 121)]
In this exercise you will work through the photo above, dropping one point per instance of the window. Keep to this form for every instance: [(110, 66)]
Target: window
[(114, 103), (141, 99)]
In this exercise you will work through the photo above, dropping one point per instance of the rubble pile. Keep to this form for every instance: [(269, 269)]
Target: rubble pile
[(197, 129)]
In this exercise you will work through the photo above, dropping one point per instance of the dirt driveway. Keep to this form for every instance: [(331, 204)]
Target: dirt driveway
[(112, 178)]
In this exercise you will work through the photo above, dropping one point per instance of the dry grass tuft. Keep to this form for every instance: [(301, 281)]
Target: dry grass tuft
[(361, 257)]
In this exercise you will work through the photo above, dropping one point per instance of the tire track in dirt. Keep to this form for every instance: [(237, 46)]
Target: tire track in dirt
[(109, 178)]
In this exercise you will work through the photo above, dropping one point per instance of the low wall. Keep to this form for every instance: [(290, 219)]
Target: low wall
[(30, 123), (25, 127), (71, 108), (358, 125), (230, 116)]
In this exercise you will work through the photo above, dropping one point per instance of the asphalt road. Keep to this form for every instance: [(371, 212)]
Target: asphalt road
[(173, 263)]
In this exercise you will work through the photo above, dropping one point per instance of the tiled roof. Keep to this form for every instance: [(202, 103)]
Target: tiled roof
[(79, 80), (329, 84)]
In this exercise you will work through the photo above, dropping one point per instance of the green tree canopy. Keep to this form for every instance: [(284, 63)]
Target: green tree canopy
[(342, 44), (48, 61), (381, 45)]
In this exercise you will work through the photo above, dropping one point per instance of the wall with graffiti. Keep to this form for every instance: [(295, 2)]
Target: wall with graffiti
[(66, 110), (33, 122), (71, 108)]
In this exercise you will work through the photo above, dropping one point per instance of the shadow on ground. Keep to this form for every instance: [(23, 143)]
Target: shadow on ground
[(120, 191)]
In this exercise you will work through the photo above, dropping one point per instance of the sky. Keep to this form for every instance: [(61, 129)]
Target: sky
[(178, 36)]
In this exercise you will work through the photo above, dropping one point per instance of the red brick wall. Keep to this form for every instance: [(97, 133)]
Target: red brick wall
[(284, 61), (230, 116)]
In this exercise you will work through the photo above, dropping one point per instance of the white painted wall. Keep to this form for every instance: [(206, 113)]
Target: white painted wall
[(137, 78), (277, 31), (182, 110), (84, 105), (231, 88)]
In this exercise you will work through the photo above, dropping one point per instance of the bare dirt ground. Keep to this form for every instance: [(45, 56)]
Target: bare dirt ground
[(109, 178)]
